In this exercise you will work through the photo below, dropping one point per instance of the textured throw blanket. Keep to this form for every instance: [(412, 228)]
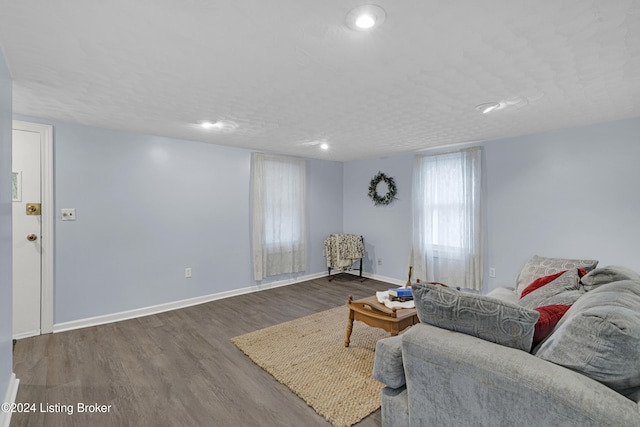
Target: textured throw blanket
[(383, 298), (342, 250)]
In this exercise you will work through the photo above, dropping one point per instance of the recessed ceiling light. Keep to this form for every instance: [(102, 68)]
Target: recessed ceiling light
[(221, 125), (488, 107), (365, 17), (205, 123), (365, 21), (315, 142)]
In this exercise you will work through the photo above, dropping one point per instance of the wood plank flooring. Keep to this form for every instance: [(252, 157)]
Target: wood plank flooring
[(177, 368)]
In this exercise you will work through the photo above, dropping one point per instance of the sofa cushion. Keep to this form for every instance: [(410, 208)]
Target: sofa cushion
[(609, 274), (539, 266), (565, 289), (599, 336), (504, 294), (481, 316), (387, 364), (550, 315)]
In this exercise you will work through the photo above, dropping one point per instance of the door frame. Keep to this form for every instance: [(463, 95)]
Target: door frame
[(47, 217)]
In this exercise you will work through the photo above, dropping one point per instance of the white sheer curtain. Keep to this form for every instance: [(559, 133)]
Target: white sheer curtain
[(447, 218), (279, 243)]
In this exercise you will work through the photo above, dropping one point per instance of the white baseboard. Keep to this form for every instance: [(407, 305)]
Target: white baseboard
[(147, 311), (10, 397), (379, 277), (22, 335)]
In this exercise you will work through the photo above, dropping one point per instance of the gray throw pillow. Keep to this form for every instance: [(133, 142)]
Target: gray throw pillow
[(539, 266), (599, 336), (609, 274), (565, 289), (481, 316)]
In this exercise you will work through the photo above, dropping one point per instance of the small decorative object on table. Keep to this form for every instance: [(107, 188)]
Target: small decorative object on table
[(400, 294)]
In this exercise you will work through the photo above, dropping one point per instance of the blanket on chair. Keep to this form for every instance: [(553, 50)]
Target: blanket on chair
[(343, 250)]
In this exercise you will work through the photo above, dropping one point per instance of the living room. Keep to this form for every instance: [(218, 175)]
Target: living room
[(560, 192), (150, 206)]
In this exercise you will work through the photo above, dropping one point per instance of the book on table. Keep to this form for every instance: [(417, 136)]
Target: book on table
[(401, 293)]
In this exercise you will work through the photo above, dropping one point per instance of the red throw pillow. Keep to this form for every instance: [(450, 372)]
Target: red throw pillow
[(540, 282), (545, 280), (550, 315)]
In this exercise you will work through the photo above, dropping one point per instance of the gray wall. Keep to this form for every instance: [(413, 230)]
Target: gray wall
[(147, 207), (570, 193), (6, 244), (386, 229), (324, 180)]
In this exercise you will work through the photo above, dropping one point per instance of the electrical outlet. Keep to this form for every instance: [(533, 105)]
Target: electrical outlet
[(187, 272), (68, 214), (379, 261), (492, 272)]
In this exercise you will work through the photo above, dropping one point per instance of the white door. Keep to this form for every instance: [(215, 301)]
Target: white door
[(32, 259), (27, 234)]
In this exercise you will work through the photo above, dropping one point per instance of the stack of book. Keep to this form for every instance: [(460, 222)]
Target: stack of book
[(400, 294)]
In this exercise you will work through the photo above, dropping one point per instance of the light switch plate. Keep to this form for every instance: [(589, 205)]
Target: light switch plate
[(68, 214)]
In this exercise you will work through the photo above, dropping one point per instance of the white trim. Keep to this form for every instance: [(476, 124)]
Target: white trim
[(47, 217), (10, 397), (379, 278), (27, 334), (175, 305), (147, 311)]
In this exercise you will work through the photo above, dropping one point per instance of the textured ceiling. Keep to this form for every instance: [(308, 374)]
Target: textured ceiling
[(290, 72)]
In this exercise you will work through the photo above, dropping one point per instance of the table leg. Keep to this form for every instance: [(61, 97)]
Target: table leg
[(349, 328)]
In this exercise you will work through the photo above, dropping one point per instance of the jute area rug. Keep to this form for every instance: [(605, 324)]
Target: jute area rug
[(308, 356)]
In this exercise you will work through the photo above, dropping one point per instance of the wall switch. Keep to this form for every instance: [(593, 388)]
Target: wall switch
[(187, 272), (379, 261), (492, 272), (68, 214)]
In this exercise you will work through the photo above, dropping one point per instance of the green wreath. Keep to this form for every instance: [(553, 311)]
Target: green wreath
[(373, 190)]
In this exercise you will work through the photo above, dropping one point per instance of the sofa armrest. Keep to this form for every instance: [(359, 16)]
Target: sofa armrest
[(387, 365), (457, 379)]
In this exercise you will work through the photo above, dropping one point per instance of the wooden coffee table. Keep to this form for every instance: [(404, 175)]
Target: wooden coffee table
[(377, 315)]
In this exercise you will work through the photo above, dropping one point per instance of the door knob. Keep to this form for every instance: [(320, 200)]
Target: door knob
[(32, 237)]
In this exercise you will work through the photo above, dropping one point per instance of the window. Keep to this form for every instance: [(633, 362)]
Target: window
[(279, 244), (283, 219), (447, 210)]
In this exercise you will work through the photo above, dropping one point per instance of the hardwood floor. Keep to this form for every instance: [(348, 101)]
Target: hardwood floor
[(177, 368)]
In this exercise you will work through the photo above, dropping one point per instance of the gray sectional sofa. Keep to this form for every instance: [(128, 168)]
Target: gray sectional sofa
[(471, 361)]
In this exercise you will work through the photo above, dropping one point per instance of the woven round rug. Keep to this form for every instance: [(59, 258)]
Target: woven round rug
[(308, 356)]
